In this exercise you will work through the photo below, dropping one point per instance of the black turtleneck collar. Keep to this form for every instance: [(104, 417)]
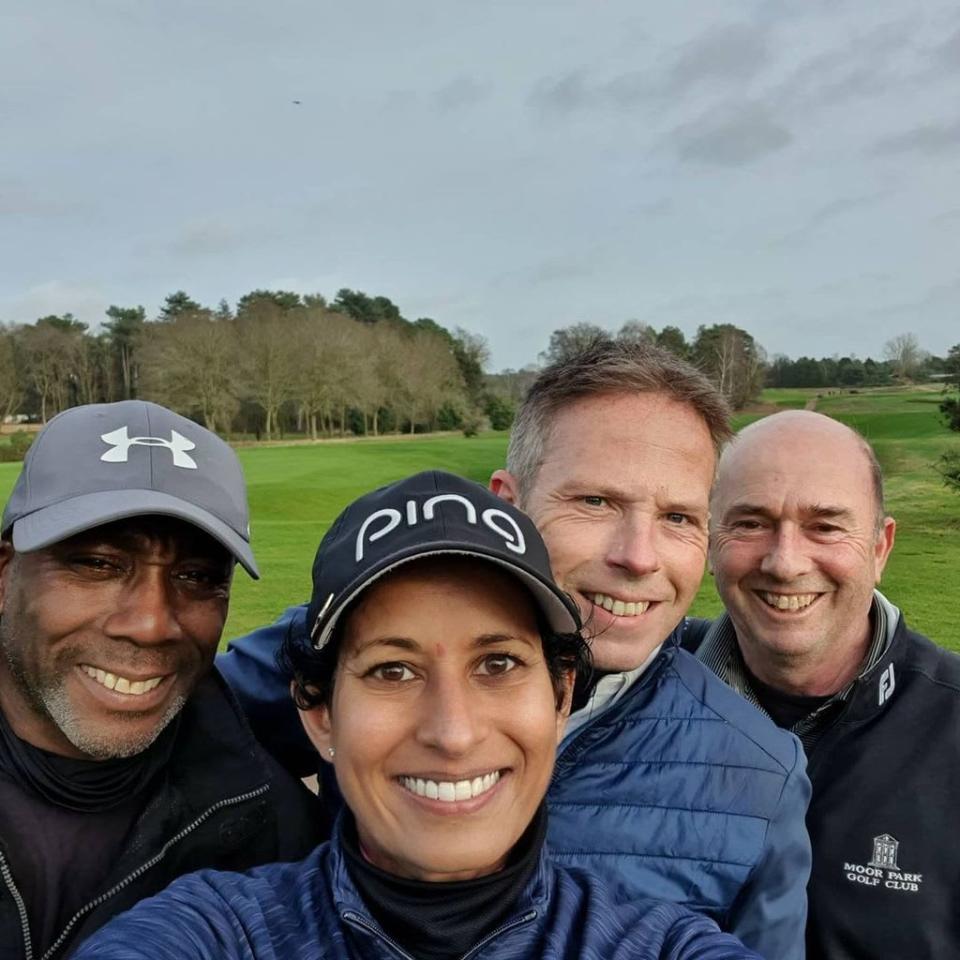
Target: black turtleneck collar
[(442, 921), (84, 786)]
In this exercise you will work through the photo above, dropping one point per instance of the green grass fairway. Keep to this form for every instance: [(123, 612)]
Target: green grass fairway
[(297, 490)]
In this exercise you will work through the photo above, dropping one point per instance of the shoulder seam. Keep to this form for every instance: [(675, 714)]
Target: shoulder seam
[(744, 733)]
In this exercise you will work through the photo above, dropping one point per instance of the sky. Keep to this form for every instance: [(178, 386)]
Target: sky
[(507, 166)]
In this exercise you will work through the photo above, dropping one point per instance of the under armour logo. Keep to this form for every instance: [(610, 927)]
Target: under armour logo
[(120, 443), (888, 683)]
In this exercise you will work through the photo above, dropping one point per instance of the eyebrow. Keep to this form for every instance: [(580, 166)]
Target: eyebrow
[(602, 488), (818, 510), (680, 506), (492, 639), (828, 512), (189, 547), (398, 643), (410, 645)]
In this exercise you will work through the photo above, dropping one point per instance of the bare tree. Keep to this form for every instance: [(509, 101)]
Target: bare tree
[(636, 331), (268, 358), (378, 379), (51, 351), (11, 391), (905, 355), (189, 364), (328, 364), (732, 359), (568, 341), (89, 362), (429, 377)]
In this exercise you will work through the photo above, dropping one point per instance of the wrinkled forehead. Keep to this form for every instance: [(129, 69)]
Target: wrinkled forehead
[(802, 470), (631, 439)]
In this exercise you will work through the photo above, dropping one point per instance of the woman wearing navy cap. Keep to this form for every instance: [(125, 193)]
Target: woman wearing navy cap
[(437, 685)]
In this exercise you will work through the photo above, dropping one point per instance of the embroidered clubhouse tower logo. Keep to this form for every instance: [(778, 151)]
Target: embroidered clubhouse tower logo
[(883, 869), (885, 852)]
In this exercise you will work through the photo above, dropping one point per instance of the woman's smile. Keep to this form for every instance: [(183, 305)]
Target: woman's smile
[(451, 791), (444, 718)]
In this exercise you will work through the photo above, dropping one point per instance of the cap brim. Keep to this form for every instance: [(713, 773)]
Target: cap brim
[(560, 611), (52, 524)]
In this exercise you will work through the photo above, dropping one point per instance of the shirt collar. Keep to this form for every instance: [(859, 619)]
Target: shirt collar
[(721, 653), (608, 690)]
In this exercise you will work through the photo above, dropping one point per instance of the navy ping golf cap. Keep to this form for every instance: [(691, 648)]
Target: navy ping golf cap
[(427, 515), (98, 463)]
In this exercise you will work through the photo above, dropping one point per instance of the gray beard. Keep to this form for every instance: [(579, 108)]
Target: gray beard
[(88, 740), (51, 701)]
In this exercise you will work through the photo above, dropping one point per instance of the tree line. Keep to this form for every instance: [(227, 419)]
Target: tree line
[(727, 354), (276, 363), (281, 363), (740, 367)]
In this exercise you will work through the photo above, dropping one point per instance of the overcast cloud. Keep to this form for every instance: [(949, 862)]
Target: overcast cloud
[(508, 167)]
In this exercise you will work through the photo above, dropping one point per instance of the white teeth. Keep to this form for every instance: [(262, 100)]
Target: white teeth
[(791, 601), (620, 608), (111, 681), (449, 791)]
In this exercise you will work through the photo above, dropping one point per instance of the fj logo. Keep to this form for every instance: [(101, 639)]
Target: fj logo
[(120, 443), (888, 683), (498, 521)]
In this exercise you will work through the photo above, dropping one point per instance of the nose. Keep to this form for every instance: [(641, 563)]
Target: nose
[(145, 612), (633, 546), (453, 720), (785, 558)]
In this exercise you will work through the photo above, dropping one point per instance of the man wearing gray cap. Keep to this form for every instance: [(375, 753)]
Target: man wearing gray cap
[(123, 764)]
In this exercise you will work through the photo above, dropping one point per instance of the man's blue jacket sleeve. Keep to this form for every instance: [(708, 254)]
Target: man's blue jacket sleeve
[(250, 666), (770, 913)]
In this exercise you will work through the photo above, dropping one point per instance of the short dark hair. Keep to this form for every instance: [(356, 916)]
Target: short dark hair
[(608, 366)]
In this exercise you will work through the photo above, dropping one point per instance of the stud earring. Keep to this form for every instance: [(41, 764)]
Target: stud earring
[(331, 751)]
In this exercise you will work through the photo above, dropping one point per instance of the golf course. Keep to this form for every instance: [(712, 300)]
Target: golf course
[(297, 489)]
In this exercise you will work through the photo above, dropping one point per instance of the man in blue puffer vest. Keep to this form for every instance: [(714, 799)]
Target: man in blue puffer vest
[(667, 783)]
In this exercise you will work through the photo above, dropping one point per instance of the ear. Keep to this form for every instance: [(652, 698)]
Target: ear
[(883, 546), (6, 566), (563, 711), (505, 486), (316, 724)]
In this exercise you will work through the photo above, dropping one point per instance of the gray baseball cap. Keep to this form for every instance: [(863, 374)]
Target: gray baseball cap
[(102, 462)]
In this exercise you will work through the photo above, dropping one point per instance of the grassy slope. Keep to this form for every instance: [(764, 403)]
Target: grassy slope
[(296, 491)]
